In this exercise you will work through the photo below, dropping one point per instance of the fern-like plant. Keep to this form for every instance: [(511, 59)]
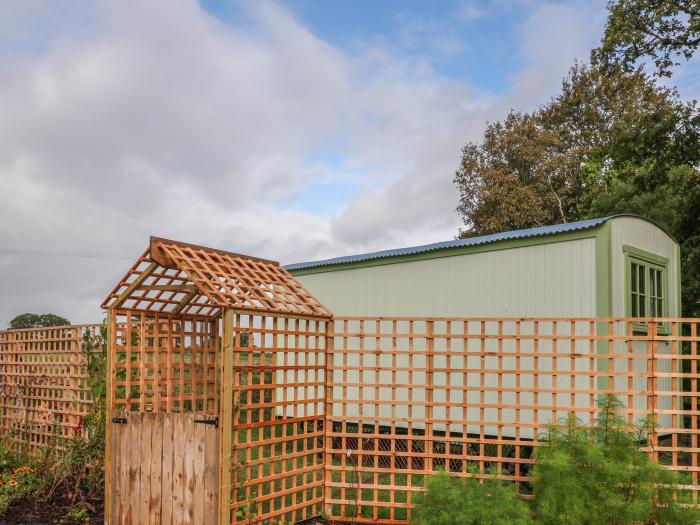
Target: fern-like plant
[(449, 500), (599, 476)]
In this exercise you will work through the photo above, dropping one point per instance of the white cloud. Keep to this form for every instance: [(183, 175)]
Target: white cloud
[(138, 118), (421, 202), (552, 37)]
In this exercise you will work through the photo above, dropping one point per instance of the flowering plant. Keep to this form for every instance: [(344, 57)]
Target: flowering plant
[(16, 483)]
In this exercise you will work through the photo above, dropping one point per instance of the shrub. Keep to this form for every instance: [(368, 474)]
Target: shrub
[(465, 501), (598, 476)]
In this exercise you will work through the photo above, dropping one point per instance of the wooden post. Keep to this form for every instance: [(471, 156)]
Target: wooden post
[(327, 412), (429, 385), (226, 418), (109, 397), (652, 387)]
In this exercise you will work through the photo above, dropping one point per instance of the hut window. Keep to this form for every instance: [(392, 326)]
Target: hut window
[(646, 285), (656, 293), (638, 290)]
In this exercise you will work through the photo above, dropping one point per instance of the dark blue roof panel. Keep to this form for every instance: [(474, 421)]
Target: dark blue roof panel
[(472, 241)]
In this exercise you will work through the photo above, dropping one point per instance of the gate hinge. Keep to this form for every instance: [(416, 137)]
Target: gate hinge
[(213, 421), (119, 420)]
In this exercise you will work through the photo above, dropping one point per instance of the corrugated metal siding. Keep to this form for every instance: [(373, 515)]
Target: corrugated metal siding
[(553, 279)]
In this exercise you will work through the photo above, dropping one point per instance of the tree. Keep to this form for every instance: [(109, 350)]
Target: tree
[(611, 142), (598, 476), (37, 321), (520, 176), (465, 501), (662, 30)]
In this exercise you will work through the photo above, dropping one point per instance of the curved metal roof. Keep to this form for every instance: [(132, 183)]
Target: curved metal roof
[(471, 241)]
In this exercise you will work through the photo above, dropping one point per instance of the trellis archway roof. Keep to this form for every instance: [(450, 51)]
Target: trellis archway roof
[(180, 278)]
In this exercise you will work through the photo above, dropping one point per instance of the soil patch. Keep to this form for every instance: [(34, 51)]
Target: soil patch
[(29, 511)]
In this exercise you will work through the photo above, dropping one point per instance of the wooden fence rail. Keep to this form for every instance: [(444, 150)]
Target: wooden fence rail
[(44, 390)]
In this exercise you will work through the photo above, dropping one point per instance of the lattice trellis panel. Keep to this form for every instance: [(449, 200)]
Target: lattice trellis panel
[(277, 430), (151, 287), (43, 385), (164, 363), (408, 397), (175, 277), (241, 282)]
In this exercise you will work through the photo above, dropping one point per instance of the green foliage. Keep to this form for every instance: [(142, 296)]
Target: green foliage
[(662, 30), (37, 321), (10, 459), (598, 476), (15, 484), (464, 501), (79, 514), (611, 142), (248, 514), (15, 478), (583, 476)]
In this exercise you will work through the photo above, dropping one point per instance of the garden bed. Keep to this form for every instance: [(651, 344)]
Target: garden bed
[(57, 511)]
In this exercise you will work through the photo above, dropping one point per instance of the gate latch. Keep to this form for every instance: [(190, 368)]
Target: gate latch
[(119, 420), (213, 421)]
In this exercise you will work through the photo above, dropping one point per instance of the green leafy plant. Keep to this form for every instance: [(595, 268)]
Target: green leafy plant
[(10, 458), (15, 484), (466, 501), (77, 514), (598, 476)]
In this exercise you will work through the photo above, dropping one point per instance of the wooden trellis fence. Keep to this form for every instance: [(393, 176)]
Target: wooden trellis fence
[(43, 384), (407, 397), (235, 397), (394, 399)]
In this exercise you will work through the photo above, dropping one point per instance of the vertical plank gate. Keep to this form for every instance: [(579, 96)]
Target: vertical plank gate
[(164, 468)]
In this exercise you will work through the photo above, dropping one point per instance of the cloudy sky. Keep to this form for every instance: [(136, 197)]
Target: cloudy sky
[(290, 130)]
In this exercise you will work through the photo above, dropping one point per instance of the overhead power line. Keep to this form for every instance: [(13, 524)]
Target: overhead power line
[(65, 254)]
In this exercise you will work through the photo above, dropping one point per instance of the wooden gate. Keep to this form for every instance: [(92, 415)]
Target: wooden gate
[(164, 468)]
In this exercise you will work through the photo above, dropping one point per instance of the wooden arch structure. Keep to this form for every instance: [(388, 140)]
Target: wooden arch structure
[(173, 277), (216, 371)]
